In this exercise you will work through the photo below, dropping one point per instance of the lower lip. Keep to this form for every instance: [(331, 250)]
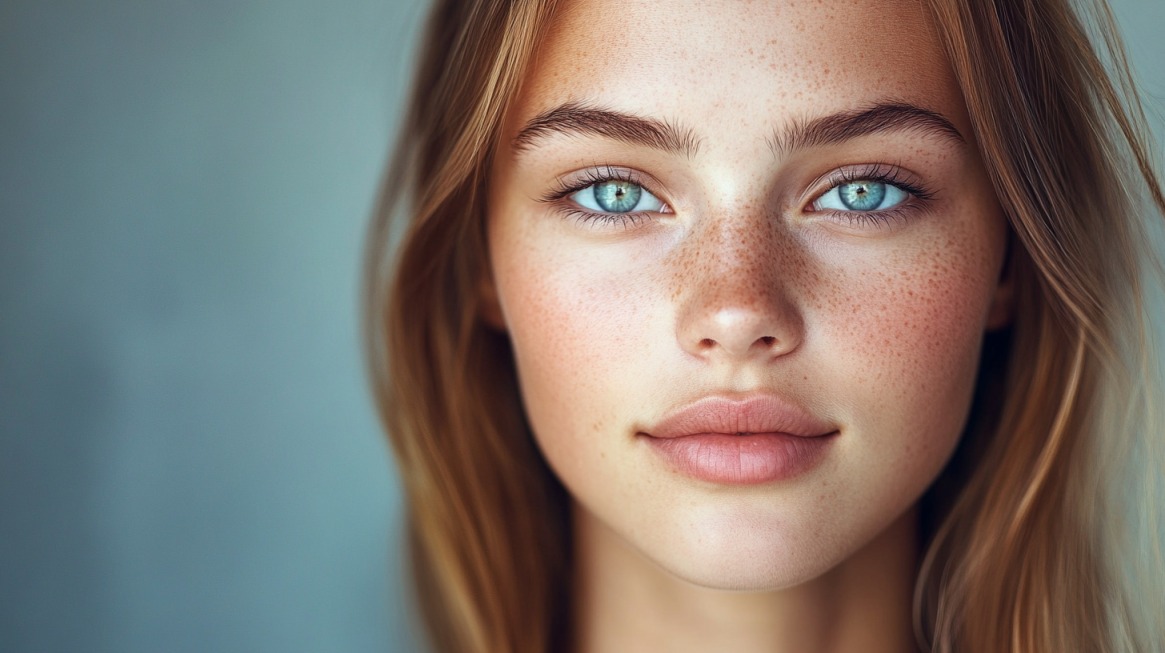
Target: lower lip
[(742, 459)]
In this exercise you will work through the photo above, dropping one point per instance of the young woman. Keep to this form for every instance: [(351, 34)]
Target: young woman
[(773, 326)]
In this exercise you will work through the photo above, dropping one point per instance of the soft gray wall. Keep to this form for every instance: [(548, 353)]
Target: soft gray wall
[(189, 460), (188, 457)]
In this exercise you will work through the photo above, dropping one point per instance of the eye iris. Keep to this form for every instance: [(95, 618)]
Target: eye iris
[(617, 196), (862, 195)]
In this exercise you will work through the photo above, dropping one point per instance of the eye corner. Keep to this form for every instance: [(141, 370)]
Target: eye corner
[(810, 205)]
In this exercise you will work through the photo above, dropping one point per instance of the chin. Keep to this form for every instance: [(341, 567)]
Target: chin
[(745, 570), (745, 553)]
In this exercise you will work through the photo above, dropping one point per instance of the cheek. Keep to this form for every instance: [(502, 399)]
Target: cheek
[(578, 322), (906, 337)]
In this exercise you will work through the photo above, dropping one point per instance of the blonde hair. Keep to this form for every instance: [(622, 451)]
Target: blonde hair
[(1025, 525)]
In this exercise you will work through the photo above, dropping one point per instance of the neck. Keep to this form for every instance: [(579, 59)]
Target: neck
[(625, 602)]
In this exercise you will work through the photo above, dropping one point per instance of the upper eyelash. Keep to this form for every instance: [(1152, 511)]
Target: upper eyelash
[(590, 177), (890, 174), (880, 172)]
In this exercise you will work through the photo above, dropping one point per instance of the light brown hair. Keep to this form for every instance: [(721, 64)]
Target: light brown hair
[(1023, 528)]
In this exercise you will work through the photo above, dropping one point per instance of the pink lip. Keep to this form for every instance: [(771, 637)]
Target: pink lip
[(759, 439)]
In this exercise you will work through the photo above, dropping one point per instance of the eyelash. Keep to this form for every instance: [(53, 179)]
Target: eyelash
[(588, 178), (877, 172)]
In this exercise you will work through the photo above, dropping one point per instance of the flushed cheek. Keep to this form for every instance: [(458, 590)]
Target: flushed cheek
[(909, 340), (911, 326)]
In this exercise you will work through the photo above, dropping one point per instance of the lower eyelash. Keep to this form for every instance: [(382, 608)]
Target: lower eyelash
[(590, 177), (881, 173), (625, 220), (874, 218)]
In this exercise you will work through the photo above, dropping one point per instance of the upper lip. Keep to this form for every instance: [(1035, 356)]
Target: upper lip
[(759, 413)]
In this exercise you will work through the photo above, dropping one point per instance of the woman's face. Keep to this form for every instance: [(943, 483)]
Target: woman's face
[(746, 253)]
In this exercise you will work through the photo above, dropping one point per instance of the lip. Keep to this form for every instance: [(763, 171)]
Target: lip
[(758, 439)]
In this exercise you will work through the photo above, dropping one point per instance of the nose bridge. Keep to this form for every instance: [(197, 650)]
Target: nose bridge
[(737, 300), (741, 253)]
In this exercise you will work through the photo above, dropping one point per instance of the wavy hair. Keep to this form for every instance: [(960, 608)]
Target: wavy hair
[(1043, 532)]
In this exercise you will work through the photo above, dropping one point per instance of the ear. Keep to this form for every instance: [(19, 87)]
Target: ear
[(1002, 309), (488, 306)]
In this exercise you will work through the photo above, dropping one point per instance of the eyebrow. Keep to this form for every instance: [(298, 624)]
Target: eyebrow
[(578, 119), (574, 118), (844, 125)]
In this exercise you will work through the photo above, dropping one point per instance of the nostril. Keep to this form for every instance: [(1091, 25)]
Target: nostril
[(768, 341), (707, 343)]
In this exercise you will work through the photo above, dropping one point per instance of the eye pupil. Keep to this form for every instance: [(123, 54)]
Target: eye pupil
[(863, 195), (617, 196)]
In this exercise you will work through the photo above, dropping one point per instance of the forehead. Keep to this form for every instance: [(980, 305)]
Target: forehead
[(741, 64)]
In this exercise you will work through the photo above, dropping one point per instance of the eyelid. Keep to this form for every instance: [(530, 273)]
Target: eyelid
[(571, 183), (889, 173), (893, 174), (917, 194)]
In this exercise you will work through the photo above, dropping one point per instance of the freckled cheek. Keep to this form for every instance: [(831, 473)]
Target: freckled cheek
[(912, 338)]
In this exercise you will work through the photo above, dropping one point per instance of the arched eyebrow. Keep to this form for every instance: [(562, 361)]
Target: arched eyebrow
[(844, 125), (575, 118)]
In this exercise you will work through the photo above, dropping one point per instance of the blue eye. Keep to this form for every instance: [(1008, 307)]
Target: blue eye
[(861, 195), (616, 196)]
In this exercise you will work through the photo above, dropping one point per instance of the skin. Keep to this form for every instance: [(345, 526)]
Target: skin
[(742, 282)]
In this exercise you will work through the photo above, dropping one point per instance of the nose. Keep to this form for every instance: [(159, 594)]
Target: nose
[(737, 304), (738, 333)]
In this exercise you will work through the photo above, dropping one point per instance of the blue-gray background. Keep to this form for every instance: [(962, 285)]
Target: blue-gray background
[(189, 459)]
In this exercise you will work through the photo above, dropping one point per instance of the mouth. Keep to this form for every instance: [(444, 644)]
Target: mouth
[(760, 439)]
